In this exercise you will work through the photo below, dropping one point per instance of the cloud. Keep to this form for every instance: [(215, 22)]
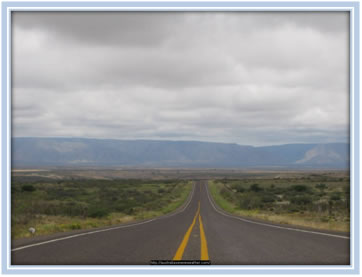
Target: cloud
[(250, 78)]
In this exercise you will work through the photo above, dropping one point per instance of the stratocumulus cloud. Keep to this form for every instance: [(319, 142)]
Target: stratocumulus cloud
[(251, 78)]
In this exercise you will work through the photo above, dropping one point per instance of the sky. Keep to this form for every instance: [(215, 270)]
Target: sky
[(252, 78)]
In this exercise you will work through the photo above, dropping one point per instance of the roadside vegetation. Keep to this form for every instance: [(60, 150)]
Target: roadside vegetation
[(319, 202), (52, 206)]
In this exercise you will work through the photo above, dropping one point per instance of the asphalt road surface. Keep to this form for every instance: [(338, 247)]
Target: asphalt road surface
[(197, 231)]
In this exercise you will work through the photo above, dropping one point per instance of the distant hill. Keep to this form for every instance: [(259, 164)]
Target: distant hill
[(40, 152)]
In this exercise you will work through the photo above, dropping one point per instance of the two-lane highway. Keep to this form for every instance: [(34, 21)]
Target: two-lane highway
[(197, 231)]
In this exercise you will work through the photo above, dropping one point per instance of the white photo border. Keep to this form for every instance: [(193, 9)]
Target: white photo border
[(351, 7)]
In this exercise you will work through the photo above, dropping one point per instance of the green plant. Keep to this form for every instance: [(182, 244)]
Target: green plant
[(301, 199), (268, 198), (336, 196), (250, 201), (28, 188), (255, 188), (321, 187), (300, 188), (96, 211)]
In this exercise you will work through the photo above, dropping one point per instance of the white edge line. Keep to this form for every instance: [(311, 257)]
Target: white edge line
[(108, 229), (270, 225)]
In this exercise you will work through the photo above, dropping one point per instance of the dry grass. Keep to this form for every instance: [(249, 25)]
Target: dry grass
[(297, 219), (302, 219), (47, 224), (53, 224)]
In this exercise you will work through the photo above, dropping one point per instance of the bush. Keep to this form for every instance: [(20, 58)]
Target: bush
[(28, 188), (98, 212), (239, 188), (300, 188), (250, 201), (347, 189), (129, 211), (335, 196), (293, 209), (301, 200), (321, 186), (268, 198), (255, 188), (226, 194)]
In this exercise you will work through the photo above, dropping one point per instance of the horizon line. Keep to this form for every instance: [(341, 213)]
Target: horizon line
[(178, 140)]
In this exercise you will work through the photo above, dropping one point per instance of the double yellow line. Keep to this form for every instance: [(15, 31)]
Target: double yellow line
[(203, 242)]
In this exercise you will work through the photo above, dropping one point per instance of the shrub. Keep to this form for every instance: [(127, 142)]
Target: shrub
[(28, 188), (300, 188), (321, 186), (301, 200), (98, 212), (293, 209), (346, 189), (129, 211), (255, 188), (250, 201), (239, 188), (267, 198), (336, 196), (226, 193)]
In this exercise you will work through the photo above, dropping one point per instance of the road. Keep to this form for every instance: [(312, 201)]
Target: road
[(197, 231)]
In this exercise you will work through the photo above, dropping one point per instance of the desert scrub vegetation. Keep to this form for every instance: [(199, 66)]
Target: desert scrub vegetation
[(52, 206), (309, 202)]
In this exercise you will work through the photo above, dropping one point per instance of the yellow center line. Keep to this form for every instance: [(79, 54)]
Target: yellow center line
[(203, 241), (204, 251), (181, 248)]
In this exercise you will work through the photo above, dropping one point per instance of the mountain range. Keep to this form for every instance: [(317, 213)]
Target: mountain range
[(42, 152)]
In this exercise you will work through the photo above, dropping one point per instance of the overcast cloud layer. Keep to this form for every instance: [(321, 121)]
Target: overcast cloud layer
[(248, 78)]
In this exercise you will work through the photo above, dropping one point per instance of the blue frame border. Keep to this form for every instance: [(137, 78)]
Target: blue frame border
[(182, 4), (351, 6)]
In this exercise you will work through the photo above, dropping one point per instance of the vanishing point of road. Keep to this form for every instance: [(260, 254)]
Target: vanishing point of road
[(199, 230)]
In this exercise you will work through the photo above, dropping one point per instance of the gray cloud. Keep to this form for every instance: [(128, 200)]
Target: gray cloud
[(130, 29), (250, 78)]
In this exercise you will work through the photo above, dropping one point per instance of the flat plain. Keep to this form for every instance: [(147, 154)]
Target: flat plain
[(226, 216)]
